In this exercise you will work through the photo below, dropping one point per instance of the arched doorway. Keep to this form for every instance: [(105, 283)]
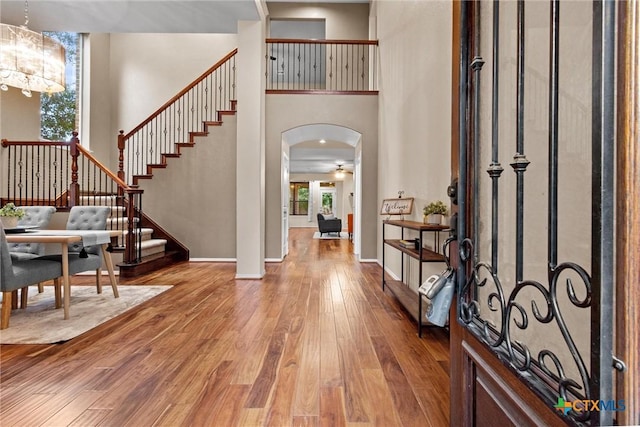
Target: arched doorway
[(315, 152)]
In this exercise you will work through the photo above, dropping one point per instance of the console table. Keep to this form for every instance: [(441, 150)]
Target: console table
[(410, 299)]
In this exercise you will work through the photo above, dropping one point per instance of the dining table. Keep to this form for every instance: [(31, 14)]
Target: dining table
[(64, 238)]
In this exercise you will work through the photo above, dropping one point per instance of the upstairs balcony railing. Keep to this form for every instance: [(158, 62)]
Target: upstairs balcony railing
[(65, 174), (317, 66)]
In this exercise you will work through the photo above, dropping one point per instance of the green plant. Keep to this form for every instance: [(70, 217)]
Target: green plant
[(10, 210), (437, 207)]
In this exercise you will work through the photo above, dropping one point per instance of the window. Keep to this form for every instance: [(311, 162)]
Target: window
[(298, 198), (60, 112)]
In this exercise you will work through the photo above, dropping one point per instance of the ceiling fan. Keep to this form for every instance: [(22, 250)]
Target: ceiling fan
[(340, 171)]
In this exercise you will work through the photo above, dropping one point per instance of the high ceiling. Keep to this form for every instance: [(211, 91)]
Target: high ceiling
[(131, 16), (137, 16)]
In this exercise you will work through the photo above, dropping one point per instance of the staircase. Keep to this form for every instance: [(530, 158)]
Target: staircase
[(147, 245), (64, 174), (176, 124)]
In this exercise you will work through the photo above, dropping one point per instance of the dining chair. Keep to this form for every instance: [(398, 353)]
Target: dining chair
[(19, 274), (34, 216), (87, 258)]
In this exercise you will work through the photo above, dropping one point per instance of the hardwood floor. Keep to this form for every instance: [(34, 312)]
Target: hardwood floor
[(315, 342)]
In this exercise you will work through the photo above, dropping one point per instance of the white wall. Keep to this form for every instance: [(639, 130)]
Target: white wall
[(146, 70), (200, 211), (415, 104), (96, 131), (357, 112), (343, 21), (250, 151), (19, 116), (19, 121)]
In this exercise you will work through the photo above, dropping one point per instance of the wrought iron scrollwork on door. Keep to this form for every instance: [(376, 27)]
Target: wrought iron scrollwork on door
[(544, 367), (511, 316)]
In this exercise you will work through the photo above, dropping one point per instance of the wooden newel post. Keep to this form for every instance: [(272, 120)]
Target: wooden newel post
[(74, 187), (121, 156)]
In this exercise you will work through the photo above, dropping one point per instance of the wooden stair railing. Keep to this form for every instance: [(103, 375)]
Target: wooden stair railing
[(65, 174), (174, 125)]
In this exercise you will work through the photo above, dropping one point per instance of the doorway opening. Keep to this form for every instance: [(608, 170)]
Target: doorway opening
[(324, 160), (328, 198)]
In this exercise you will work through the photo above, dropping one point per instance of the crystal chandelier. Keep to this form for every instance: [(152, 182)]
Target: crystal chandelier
[(30, 61)]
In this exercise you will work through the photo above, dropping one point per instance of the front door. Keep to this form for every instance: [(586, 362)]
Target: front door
[(532, 331)]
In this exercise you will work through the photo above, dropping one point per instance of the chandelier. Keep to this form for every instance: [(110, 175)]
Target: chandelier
[(29, 60)]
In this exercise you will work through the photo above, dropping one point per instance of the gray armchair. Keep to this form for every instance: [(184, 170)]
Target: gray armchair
[(38, 216), (329, 225), (18, 274), (86, 258)]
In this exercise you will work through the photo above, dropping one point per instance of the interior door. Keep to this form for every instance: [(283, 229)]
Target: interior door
[(534, 156)]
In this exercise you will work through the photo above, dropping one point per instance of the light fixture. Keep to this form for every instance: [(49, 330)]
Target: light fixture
[(339, 172), (322, 141), (29, 60)]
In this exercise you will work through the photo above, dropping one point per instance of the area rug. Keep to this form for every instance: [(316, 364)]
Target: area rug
[(342, 235), (41, 323)]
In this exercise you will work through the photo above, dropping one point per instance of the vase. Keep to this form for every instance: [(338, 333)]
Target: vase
[(9, 221), (433, 219)]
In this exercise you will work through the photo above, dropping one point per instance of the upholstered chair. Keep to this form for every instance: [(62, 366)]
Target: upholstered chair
[(329, 225), (19, 274), (36, 216), (86, 258)]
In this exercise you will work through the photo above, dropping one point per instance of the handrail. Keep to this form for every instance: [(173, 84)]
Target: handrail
[(7, 143), (107, 171), (324, 41), (181, 93)]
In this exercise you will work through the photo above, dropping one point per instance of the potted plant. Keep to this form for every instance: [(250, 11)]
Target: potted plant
[(433, 212), (9, 215)]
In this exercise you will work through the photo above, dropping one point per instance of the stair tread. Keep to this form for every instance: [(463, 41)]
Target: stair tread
[(122, 219), (141, 230), (152, 242)]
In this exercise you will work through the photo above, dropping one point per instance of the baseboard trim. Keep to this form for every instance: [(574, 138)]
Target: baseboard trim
[(212, 260), (391, 273), (274, 260), (249, 276), (369, 260)]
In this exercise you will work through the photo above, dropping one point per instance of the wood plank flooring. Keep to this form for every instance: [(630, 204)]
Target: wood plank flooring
[(314, 343)]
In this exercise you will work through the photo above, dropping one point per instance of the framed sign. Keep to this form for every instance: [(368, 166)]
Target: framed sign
[(397, 206)]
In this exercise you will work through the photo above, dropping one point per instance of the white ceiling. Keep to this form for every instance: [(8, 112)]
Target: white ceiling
[(313, 157), (138, 16), (131, 16), (308, 155)]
